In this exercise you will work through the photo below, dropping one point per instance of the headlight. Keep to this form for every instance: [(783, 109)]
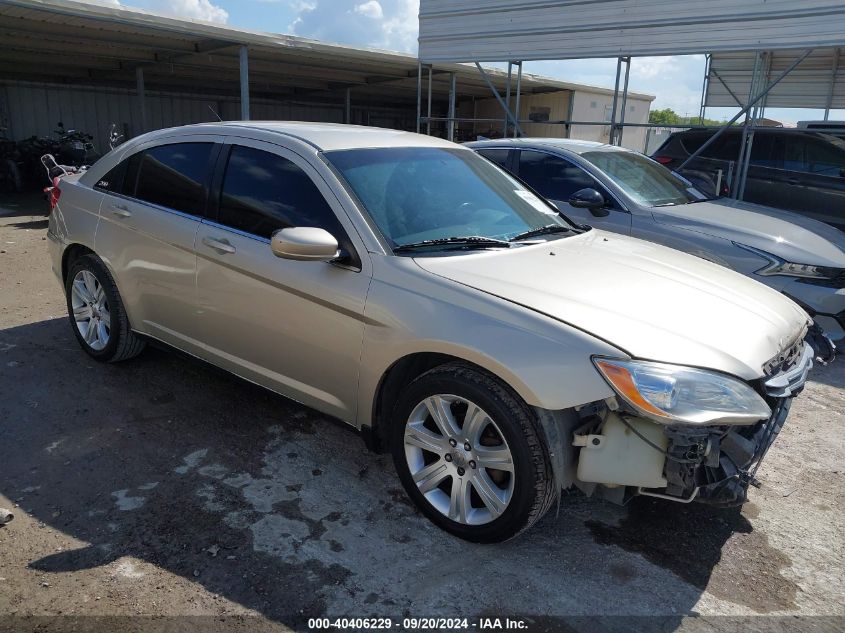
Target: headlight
[(778, 266), (673, 394)]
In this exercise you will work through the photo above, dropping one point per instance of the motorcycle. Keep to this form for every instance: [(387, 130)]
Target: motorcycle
[(75, 147)]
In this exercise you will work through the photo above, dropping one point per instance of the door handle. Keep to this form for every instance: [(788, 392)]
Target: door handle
[(221, 246), (120, 210), (793, 181)]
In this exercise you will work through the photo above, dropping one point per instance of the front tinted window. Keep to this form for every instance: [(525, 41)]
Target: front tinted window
[(553, 177), (263, 192), (174, 176), (643, 180), (424, 193), (813, 156)]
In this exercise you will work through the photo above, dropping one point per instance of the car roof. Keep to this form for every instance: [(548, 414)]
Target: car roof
[(571, 145), (322, 136)]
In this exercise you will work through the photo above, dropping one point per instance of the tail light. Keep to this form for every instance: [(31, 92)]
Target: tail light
[(53, 193), (663, 160)]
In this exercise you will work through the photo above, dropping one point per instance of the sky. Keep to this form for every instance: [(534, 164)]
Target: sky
[(392, 24)]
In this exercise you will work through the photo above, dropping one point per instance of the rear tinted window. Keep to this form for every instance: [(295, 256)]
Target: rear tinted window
[(113, 181), (174, 176), (498, 156), (726, 147)]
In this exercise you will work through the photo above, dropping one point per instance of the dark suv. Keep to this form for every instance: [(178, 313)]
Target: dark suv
[(800, 171)]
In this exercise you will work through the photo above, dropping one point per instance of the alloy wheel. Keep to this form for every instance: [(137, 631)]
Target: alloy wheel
[(90, 310), (459, 459)]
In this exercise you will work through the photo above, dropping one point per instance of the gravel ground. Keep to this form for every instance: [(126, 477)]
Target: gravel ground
[(162, 487)]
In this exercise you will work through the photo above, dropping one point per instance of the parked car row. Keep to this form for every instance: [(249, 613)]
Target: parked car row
[(499, 349), (619, 190)]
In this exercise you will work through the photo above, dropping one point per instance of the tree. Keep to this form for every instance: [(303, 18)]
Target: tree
[(667, 116)]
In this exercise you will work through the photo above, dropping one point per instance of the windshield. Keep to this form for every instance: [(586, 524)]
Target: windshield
[(416, 194), (643, 180)]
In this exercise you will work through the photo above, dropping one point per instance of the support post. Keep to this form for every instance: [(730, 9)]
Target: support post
[(624, 102), (704, 87), (419, 95), (244, 63), (498, 97), (727, 126), (428, 120), (748, 128), (453, 95), (833, 72), (507, 98), (612, 136), (142, 97), (517, 131), (347, 111)]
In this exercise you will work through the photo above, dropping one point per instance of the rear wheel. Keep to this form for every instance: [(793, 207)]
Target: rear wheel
[(96, 312), (468, 453)]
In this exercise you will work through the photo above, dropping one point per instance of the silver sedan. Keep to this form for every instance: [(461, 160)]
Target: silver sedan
[(618, 190)]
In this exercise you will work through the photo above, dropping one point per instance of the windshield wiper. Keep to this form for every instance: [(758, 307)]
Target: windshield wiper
[(543, 230), (470, 241)]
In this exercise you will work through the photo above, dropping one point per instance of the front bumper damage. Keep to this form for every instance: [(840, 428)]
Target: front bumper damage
[(684, 463)]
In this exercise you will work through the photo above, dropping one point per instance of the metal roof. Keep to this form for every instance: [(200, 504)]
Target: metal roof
[(64, 41), (818, 82), (503, 30)]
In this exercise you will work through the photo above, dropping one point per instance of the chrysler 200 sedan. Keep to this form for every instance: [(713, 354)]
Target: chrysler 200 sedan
[(409, 287)]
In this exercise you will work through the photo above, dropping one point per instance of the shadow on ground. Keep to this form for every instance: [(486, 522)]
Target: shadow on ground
[(271, 505)]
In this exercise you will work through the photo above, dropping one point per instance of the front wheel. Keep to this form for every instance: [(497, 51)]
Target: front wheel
[(469, 455)]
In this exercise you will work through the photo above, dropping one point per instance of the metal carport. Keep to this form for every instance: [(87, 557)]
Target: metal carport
[(795, 36), (156, 71)]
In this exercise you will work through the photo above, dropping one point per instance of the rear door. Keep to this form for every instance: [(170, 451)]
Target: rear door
[(293, 326), (147, 230), (815, 173), (766, 183), (556, 179)]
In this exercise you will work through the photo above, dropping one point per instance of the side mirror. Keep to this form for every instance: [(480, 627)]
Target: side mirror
[(589, 199), (304, 243)]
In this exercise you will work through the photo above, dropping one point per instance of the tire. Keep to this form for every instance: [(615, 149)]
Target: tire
[(92, 298), (448, 482)]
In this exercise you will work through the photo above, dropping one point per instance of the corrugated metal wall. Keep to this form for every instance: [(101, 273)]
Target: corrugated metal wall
[(808, 86), (30, 109), (501, 30)]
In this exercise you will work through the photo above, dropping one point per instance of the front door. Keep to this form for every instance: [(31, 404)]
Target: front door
[(557, 179), (293, 326)]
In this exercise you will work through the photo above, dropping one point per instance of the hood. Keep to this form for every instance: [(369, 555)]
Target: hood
[(790, 236), (650, 301)]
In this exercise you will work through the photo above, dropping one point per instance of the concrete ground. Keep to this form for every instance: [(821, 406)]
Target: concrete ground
[(162, 487)]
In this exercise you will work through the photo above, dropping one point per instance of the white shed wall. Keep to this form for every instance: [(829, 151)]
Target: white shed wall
[(587, 106)]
